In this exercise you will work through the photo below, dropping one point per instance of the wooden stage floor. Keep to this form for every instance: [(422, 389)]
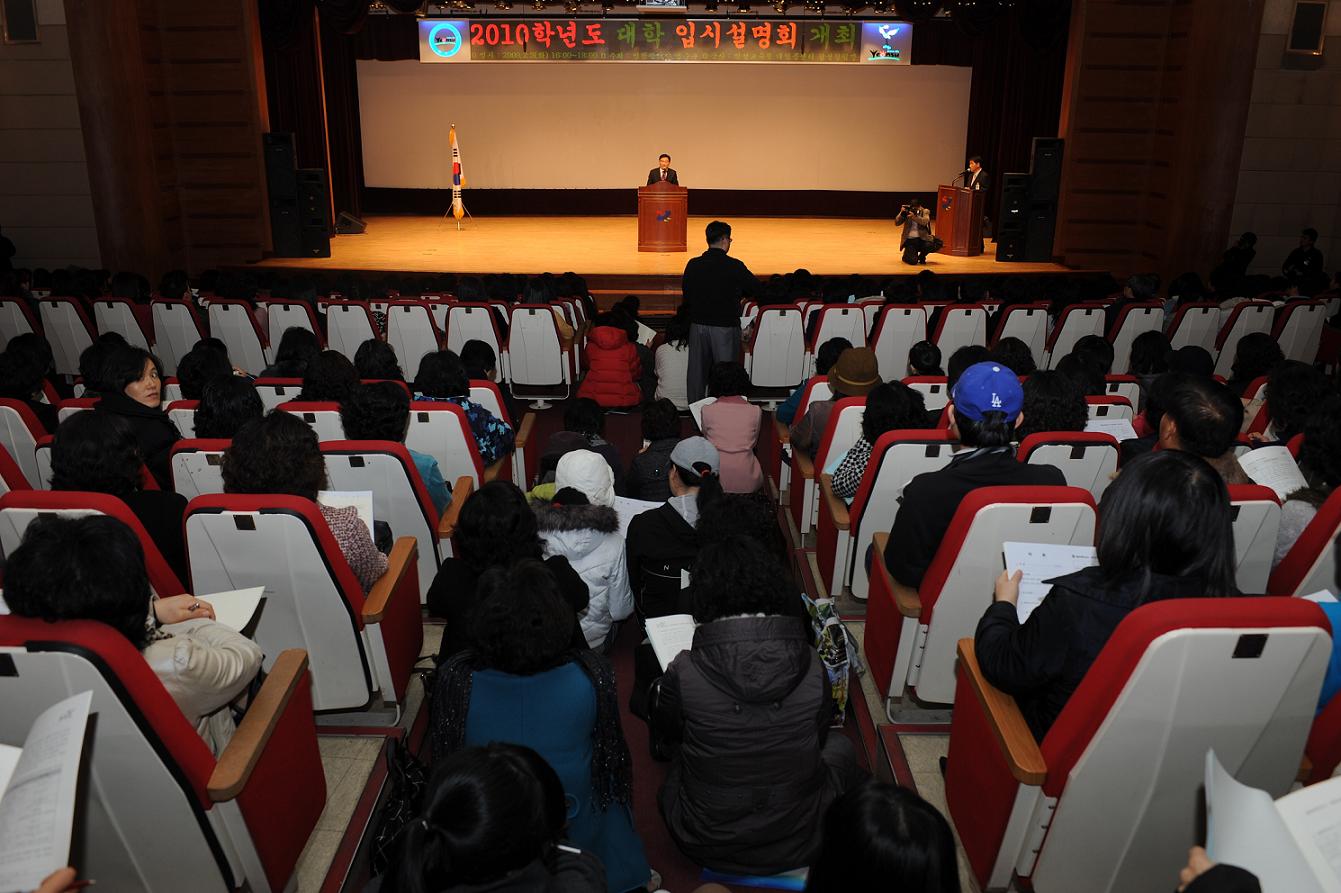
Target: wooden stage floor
[(607, 246)]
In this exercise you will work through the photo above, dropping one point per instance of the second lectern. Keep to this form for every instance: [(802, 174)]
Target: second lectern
[(662, 215), (959, 220)]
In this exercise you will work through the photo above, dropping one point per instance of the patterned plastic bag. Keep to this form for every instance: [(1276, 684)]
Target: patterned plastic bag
[(836, 649)]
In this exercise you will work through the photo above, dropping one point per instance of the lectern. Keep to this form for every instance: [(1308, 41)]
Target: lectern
[(662, 215), (959, 220)]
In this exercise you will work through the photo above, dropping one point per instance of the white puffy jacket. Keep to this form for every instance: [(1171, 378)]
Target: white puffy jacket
[(588, 536)]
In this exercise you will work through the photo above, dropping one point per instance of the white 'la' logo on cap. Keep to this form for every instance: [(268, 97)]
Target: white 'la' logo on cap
[(996, 401)]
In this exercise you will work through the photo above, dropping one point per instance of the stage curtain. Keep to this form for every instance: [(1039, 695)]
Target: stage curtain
[(388, 38), (345, 149), (342, 16), (293, 76)]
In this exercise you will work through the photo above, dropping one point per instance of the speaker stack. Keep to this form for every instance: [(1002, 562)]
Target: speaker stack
[(314, 206), (1028, 218), (300, 224)]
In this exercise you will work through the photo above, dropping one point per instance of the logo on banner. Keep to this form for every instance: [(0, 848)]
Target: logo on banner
[(444, 39)]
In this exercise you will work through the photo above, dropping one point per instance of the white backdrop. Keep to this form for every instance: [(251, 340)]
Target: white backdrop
[(726, 126)]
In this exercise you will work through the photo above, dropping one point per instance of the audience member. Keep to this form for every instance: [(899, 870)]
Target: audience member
[(1083, 371), (747, 708), (135, 395), (1192, 359), (200, 365), (732, 424), (375, 360), (880, 836), (279, 454), (583, 427), (825, 357), (924, 358), (1303, 266), (580, 524), (1052, 402), (672, 361), (1149, 356), (381, 411), (663, 542), (496, 529), (481, 362), (493, 819), (92, 568), (613, 367), (961, 359), (1257, 355), (1201, 417), (227, 403), (93, 363), (1141, 288), (1098, 349), (890, 406), (298, 350), (329, 378), (854, 375), (1320, 463), (1015, 355), (984, 414), (1164, 532), (24, 366), (96, 452), (1293, 392), (1236, 260), (648, 473), (753, 515), (524, 684), (442, 378)]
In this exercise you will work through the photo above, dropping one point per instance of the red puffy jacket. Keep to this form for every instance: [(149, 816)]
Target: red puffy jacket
[(614, 370)]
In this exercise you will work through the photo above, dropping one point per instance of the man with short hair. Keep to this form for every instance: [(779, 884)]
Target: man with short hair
[(663, 172), (1304, 265), (713, 285), (916, 242), (974, 176), (984, 413), (1202, 417)]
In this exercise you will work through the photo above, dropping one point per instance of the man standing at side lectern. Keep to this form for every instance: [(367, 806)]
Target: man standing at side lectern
[(663, 172), (713, 285)]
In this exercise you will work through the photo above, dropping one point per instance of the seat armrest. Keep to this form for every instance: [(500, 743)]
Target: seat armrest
[(491, 472), (1010, 730), (524, 431), (783, 432), (403, 558), (248, 743), (907, 599), (837, 507), (461, 490), (805, 465)]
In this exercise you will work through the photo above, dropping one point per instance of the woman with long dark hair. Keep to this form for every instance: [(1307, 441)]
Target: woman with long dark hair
[(1164, 532), (135, 383)]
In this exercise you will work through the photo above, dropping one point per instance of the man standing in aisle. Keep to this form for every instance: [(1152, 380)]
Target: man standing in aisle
[(713, 285)]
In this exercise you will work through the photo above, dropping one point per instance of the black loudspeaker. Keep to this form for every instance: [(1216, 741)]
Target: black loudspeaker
[(1046, 169), (281, 176), (1014, 205), (1010, 247), (314, 197), (316, 242), (286, 228), (1040, 229), (1306, 28), (346, 224)]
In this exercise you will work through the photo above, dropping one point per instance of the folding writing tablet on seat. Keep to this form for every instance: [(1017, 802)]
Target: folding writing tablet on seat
[(156, 811), (274, 391), (1073, 323), (775, 355), (1246, 318), (360, 647), (177, 328), (19, 433), (960, 325), (897, 328), (118, 315), (1298, 329), (183, 415), (1028, 322), (1109, 407), (322, 415), (911, 634), (1195, 324), (197, 467), (1310, 565), (1256, 514), (411, 332), (69, 332), (1132, 321), (1110, 800), (349, 324), (935, 390), (1088, 460), (1125, 386)]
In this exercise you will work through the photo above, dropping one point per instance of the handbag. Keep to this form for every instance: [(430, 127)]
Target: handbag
[(405, 782)]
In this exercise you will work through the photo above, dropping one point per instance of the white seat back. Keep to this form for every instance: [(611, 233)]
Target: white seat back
[(961, 325), (472, 322), (1242, 320), (1089, 466), (116, 315), (1110, 411), (197, 472), (13, 320), (411, 332), (1195, 325), (1076, 322), (935, 390), (233, 324), (444, 435), (777, 354), (897, 329), (1136, 321), (1125, 386), (1029, 323), (1301, 329), (326, 422), (184, 417), (175, 333), (63, 324), (348, 324), (819, 390), (284, 315), (535, 356), (272, 393), (42, 456), (488, 398), (20, 442), (845, 321), (1256, 522)]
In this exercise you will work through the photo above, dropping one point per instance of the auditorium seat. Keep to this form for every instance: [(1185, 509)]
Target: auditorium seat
[(1298, 329), (1256, 514), (896, 330), (1088, 460), (1107, 407), (1260, 417), (196, 467), (841, 431), (960, 325), (118, 315), (274, 391), (775, 351), (935, 390), (19, 433), (441, 430), (177, 328), (537, 357), (68, 330), (1132, 321), (361, 648), (1028, 322), (1072, 324), (411, 332), (322, 415), (284, 315), (1310, 565), (67, 408), (11, 476), (182, 413), (233, 323), (836, 321), (399, 497), (1126, 386), (172, 390), (154, 806), (1195, 324), (473, 322), (487, 394), (842, 530), (1246, 318), (18, 509), (15, 319), (911, 633), (1127, 754), (42, 455), (349, 324)]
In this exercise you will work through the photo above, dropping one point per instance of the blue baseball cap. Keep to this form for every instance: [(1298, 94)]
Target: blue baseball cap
[(987, 387)]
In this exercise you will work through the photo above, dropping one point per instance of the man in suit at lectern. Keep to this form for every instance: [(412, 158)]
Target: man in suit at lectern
[(974, 176), (663, 172)]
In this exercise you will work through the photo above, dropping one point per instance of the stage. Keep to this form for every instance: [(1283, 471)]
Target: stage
[(607, 248)]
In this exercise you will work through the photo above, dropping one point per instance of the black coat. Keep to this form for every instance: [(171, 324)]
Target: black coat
[(161, 514), (930, 501), (661, 547), (649, 473), (154, 432), (654, 176), (713, 285), (1042, 662)]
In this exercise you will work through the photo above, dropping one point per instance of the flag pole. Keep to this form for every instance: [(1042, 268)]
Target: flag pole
[(458, 208)]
